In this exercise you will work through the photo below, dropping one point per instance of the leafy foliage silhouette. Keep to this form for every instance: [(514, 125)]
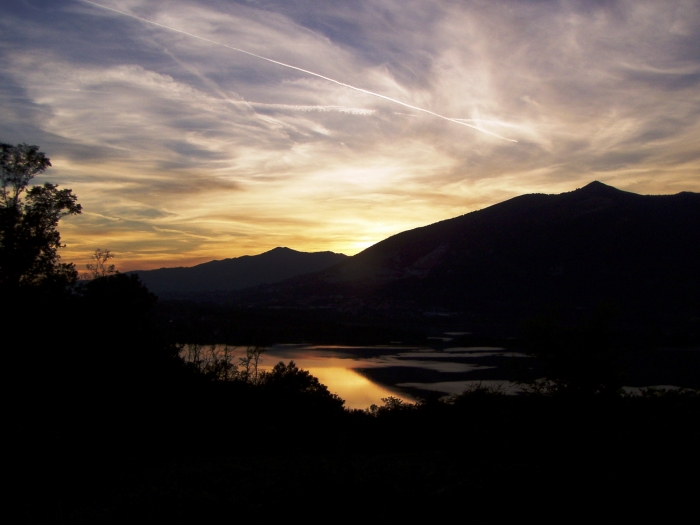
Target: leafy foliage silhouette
[(29, 239)]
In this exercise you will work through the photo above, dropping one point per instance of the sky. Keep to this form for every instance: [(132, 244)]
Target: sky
[(193, 130)]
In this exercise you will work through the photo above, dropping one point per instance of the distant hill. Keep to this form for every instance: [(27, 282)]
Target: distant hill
[(592, 247), (238, 273)]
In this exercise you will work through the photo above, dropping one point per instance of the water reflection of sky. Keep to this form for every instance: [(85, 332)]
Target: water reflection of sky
[(353, 387), (336, 370), (337, 367), (363, 375), (349, 371)]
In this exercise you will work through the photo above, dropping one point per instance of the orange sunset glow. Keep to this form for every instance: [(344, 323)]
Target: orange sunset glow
[(193, 131)]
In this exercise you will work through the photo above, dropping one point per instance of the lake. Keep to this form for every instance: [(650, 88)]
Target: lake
[(363, 375)]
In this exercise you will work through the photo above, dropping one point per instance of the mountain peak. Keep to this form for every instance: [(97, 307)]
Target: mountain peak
[(598, 188), (239, 272)]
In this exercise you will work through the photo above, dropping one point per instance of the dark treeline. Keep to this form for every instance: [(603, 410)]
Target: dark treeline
[(106, 422), (109, 424)]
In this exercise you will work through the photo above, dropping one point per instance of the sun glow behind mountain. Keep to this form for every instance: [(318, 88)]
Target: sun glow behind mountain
[(231, 128)]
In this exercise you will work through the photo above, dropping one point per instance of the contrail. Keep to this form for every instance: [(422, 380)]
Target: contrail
[(361, 90)]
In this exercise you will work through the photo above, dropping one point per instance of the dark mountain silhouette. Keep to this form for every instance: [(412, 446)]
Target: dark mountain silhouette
[(237, 273), (578, 250)]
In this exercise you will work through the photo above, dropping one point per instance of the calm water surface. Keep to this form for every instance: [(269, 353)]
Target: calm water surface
[(363, 375)]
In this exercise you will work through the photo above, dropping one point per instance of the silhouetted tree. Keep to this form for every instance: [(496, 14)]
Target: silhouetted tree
[(219, 363), (99, 267), (299, 389), (249, 365), (29, 240), (117, 303), (390, 404)]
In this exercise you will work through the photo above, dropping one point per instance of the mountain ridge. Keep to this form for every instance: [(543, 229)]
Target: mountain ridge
[(225, 275), (592, 246)]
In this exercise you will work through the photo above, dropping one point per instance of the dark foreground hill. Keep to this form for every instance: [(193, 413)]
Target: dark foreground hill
[(237, 273), (574, 252)]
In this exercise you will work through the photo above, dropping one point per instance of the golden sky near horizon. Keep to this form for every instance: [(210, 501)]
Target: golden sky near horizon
[(199, 130)]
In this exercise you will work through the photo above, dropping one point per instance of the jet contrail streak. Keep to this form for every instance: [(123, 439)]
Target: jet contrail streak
[(361, 90)]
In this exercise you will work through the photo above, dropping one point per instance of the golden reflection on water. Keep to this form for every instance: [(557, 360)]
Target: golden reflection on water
[(337, 373), (353, 387), (335, 367)]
